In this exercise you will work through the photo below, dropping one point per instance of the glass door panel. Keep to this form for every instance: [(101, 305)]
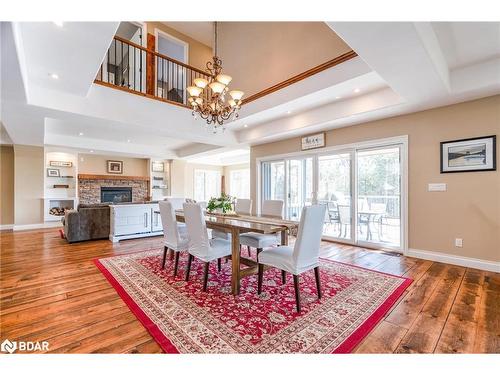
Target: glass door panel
[(299, 186), (334, 191), (379, 196), (273, 180)]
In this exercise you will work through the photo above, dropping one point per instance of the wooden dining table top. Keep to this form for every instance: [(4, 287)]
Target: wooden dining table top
[(245, 223)]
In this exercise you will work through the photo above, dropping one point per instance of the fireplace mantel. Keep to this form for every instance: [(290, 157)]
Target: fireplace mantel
[(111, 177)]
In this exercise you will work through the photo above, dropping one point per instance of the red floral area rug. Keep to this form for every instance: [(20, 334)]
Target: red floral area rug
[(184, 319)]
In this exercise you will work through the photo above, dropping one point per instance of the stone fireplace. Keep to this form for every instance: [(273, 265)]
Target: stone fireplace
[(123, 188), (111, 194)]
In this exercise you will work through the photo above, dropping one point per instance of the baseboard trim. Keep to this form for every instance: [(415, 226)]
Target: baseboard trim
[(54, 224), (6, 226), (485, 265)]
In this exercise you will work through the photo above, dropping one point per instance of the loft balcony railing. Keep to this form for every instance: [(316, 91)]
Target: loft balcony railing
[(133, 68)]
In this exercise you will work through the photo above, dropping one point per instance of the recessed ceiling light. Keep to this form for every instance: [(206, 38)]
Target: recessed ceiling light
[(58, 23), (357, 90), (288, 112), (53, 75), (245, 126), (80, 134), (91, 150), (337, 97), (128, 140)]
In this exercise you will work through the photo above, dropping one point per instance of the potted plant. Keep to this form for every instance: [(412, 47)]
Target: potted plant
[(223, 204)]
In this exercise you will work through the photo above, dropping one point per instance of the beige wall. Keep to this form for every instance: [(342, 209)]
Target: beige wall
[(96, 164), (28, 184), (469, 209), (182, 177), (6, 185), (199, 53), (260, 54), (227, 171)]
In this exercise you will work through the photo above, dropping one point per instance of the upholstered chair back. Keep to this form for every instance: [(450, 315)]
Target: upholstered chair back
[(243, 206), (272, 208), (199, 242), (169, 223), (306, 249), (176, 202)]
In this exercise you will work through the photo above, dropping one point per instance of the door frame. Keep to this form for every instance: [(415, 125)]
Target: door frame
[(160, 33), (381, 142)]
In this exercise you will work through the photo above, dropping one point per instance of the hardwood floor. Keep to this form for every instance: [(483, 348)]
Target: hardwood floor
[(50, 290)]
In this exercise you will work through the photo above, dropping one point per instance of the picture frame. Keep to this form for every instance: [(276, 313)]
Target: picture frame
[(468, 155), (53, 172), (313, 141), (115, 166), (157, 166), (59, 163)]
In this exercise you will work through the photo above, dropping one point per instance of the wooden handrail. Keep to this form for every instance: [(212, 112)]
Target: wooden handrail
[(299, 77), (122, 40)]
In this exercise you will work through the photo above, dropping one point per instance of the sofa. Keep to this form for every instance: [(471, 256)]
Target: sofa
[(87, 222)]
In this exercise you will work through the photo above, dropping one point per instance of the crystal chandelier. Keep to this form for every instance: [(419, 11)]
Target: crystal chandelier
[(208, 97)]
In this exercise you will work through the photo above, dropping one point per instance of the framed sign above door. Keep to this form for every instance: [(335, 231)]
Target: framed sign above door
[(313, 141)]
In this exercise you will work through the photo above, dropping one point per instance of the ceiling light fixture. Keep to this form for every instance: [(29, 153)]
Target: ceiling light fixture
[(53, 76), (58, 23), (128, 140), (80, 134), (337, 97), (357, 90), (91, 150), (288, 112), (245, 126), (207, 97)]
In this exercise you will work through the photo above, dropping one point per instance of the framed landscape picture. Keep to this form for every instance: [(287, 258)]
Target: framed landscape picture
[(53, 172), (469, 155), (115, 166)]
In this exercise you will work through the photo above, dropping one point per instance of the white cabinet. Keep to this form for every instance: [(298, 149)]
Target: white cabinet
[(134, 221)]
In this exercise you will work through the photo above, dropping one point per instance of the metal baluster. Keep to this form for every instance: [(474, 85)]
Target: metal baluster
[(128, 65), (121, 70), (140, 69)]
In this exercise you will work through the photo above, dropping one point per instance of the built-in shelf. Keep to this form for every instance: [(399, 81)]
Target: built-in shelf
[(160, 181)]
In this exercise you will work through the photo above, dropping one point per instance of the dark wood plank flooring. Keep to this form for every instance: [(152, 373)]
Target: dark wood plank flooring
[(50, 290)]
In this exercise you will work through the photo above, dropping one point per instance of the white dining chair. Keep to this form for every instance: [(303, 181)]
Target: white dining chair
[(241, 207), (270, 208), (177, 205), (175, 235), (200, 245), (176, 202), (303, 256)]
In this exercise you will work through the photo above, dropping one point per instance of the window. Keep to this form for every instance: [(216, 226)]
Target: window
[(239, 183), (206, 185)]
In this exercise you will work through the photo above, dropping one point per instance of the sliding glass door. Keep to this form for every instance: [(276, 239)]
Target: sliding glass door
[(299, 186), (334, 191), (361, 188), (273, 180), (379, 196)]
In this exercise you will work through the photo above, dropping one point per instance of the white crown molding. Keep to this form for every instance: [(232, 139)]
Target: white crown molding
[(54, 224), (485, 265)]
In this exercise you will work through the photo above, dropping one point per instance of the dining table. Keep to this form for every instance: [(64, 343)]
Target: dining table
[(236, 224)]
